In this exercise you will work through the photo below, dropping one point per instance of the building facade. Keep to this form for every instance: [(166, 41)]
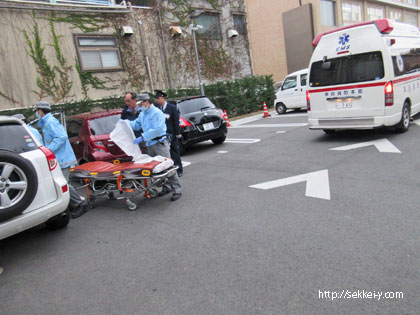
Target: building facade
[(60, 51), (279, 30)]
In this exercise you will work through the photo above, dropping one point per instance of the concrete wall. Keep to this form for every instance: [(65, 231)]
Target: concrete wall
[(18, 71), (298, 35)]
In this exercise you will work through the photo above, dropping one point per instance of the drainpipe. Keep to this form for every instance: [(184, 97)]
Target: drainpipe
[(146, 57), (164, 57)]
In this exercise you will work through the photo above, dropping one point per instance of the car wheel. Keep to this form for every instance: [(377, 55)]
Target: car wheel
[(281, 108), (329, 131), (18, 184), (219, 140), (404, 123), (59, 221)]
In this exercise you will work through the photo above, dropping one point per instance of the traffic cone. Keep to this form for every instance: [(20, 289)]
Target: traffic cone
[(226, 118), (266, 114)]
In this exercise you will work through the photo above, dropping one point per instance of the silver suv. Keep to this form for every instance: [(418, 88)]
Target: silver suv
[(33, 189)]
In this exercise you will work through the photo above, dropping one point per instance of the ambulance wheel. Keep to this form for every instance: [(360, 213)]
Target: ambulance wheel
[(281, 108), (329, 131), (404, 124)]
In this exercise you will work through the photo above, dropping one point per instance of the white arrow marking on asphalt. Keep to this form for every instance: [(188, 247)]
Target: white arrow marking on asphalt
[(222, 152), (282, 131), (417, 122), (231, 140), (317, 184), (185, 163), (383, 145), (272, 125)]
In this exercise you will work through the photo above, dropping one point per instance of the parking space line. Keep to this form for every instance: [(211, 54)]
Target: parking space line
[(272, 125), (232, 140)]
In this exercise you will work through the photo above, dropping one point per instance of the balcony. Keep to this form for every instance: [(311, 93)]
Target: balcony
[(105, 6)]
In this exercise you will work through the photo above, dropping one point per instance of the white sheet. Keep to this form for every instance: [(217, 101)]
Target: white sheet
[(123, 136)]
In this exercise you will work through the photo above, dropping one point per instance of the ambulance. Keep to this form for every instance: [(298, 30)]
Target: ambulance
[(364, 76)]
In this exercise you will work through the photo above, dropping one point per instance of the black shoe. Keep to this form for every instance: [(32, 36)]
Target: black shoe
[(164, 191), (79, 211), (179, 174), (176, 196)]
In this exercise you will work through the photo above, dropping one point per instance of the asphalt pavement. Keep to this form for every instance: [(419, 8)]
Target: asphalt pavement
[(277, 220)]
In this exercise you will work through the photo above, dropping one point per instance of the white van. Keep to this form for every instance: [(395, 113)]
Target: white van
[(292, 94), (365, 76)]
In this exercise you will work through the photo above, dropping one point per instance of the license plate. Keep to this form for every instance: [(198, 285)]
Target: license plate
[(344, 104), (208, 126)]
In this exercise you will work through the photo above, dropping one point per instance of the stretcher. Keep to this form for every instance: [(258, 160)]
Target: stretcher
[(104, 180)]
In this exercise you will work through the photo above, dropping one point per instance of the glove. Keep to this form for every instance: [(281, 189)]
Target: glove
[(178, 136), (138, 140)]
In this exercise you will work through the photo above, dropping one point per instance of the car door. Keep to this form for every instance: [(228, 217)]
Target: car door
[(74, 127), (288, 95), (301, 93)]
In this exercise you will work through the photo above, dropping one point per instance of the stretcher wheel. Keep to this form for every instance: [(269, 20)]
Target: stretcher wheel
[(91, 203), (131, 205), (153, 193)]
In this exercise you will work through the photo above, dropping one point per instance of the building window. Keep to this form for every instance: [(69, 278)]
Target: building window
[(239, 23), (211, 26), (99, 52), (395, 15), (411, 18), (140, 3), (374, 13), (327, 13), (411, 2), (352, 12)]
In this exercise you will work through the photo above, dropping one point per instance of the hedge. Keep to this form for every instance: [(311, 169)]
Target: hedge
[(237, 97)]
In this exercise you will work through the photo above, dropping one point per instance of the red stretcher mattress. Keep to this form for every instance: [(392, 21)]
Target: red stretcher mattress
[(100, 169)]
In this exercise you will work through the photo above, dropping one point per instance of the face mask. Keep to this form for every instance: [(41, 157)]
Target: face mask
[(144, 108), (37, 115)]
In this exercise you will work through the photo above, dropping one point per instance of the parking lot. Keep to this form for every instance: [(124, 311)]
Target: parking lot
[(268, 220)]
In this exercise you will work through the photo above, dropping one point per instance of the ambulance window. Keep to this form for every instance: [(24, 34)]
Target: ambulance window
[(289, 82), (348, 69), (303, 79), (407, 62)]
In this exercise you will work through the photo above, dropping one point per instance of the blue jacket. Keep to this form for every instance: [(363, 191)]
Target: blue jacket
[(153, 124), (36, 133), (55, 139)]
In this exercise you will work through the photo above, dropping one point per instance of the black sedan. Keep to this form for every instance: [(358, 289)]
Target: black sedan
[(200, 120)]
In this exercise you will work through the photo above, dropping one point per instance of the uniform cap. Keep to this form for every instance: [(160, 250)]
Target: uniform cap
[(142, 97), (42, 105), (160, 93)]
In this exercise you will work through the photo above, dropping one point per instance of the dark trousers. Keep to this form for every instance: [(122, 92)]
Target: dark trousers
[(75, 199), (175, 153)]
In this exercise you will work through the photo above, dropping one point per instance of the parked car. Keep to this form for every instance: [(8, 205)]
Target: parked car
[(33, 189), (200, 120), (89, 136), (292, 94)]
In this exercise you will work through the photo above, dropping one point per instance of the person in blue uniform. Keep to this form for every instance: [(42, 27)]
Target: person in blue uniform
[(152, 121), (173, 132), (55, 139)]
